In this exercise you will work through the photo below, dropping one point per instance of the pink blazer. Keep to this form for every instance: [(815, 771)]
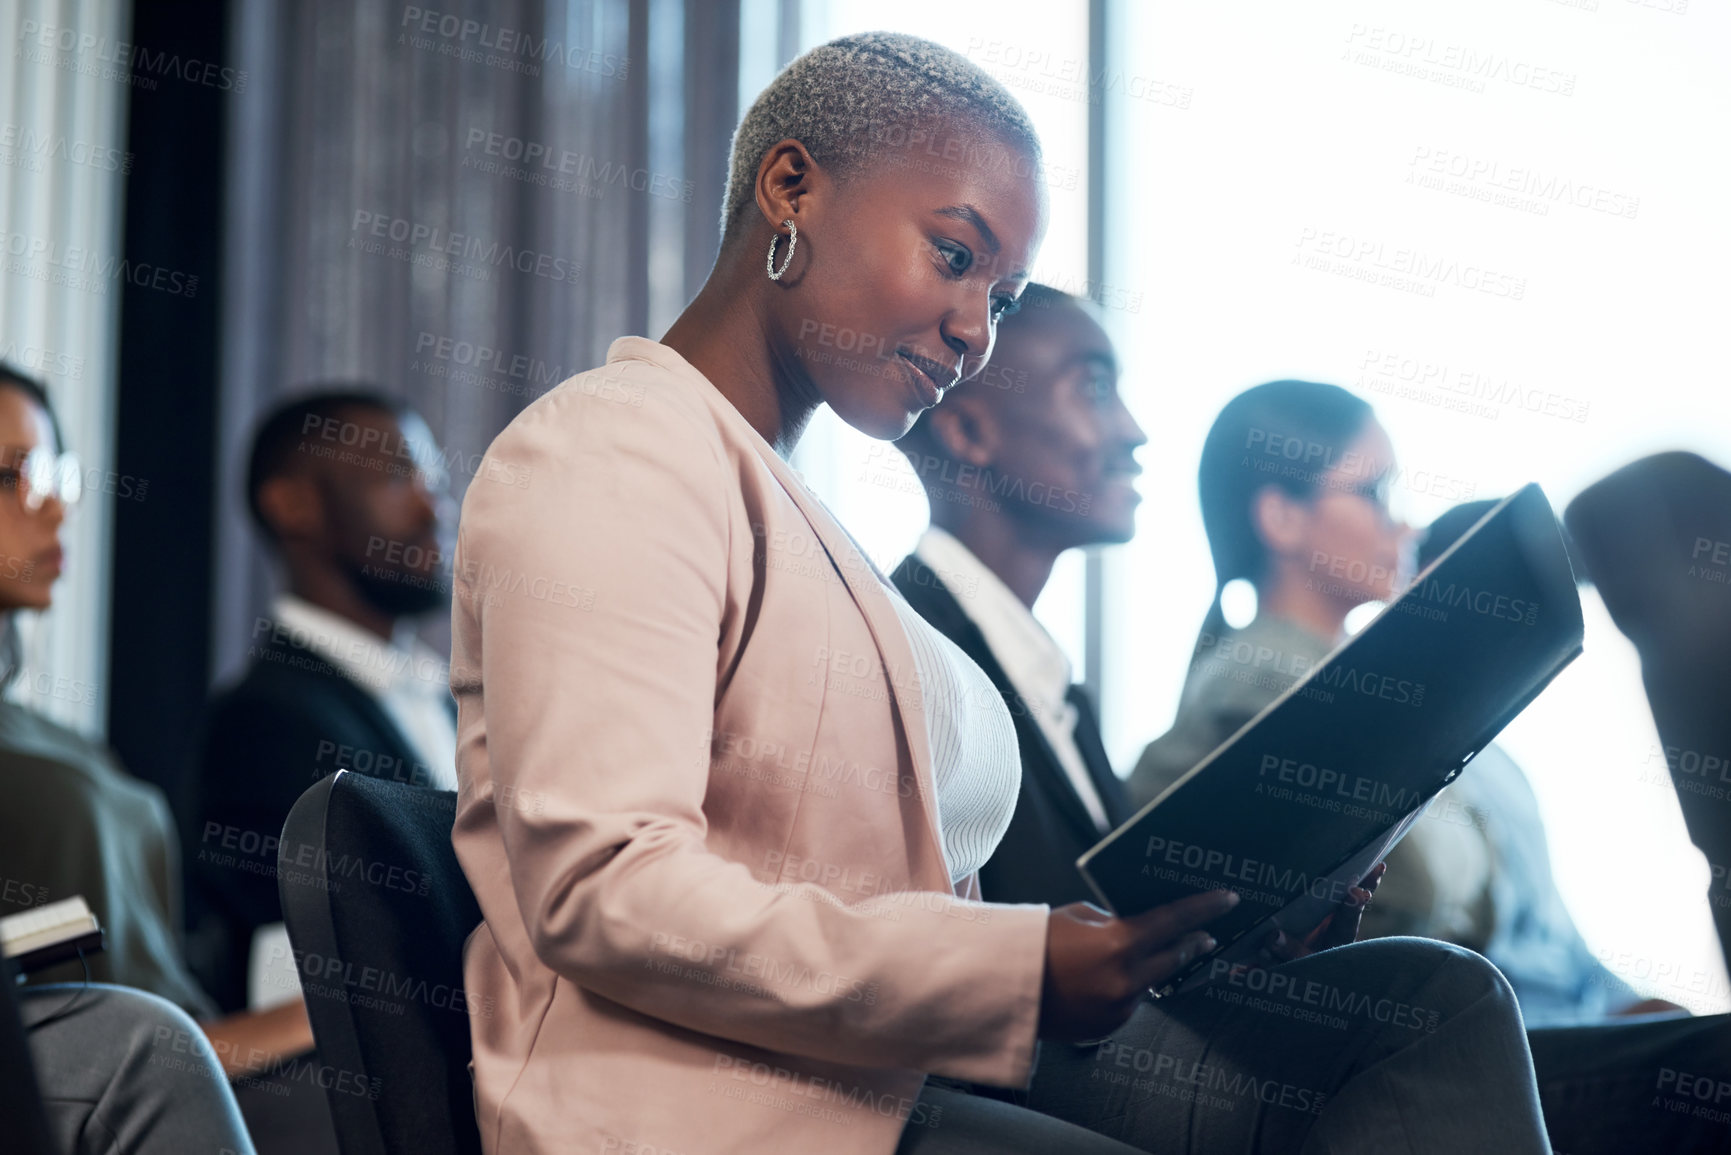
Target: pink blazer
[(696, 801)]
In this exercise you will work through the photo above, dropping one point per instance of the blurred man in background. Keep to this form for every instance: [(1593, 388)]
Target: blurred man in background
[(1034, 457), (346, 487)]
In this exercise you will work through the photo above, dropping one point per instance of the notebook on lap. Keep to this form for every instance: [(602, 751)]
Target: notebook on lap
[(1310, 794)]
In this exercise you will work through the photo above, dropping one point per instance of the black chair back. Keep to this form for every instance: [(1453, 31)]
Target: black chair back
[(1655, 538), (377, 910)]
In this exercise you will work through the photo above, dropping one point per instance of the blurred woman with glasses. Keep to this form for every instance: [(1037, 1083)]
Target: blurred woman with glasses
[(141, 1066), (43, 485), (1296, 486), (1295, 482)]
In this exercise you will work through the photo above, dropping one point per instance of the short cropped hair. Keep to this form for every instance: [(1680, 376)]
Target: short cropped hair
[(845, 101), (275, 447)]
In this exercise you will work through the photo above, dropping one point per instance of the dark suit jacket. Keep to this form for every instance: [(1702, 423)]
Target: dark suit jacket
[(292, 719), (1036, 861)]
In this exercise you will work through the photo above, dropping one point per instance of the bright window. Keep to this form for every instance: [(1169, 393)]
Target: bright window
[(1497, 222), (1041, 52), (1542, 164)]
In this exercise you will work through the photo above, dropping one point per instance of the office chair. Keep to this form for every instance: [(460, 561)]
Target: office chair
[(377, 911), (1655, 539)]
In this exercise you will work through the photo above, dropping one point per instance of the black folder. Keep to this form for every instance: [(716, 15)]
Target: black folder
[(1309, 795)]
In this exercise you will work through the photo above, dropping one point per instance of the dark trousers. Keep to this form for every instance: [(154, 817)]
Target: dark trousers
[(1395, 1045), (1652, 1083)]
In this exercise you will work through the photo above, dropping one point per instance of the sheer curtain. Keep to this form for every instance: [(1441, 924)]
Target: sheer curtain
[(63, 165), (462, 206)]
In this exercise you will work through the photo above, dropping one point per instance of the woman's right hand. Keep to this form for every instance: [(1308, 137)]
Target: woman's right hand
[(1098, 967)]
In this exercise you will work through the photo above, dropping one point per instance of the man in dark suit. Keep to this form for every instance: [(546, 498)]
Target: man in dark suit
[(1033, 457), (346, 488)]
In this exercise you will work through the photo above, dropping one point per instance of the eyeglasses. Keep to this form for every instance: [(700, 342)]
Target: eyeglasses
[(44, 474), (1379, 494)]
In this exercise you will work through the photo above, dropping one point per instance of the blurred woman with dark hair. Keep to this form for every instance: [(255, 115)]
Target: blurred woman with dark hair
[(1295, 489), (120, 1069), (1294, 484)]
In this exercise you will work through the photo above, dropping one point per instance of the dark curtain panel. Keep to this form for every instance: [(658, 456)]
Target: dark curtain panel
[(167, 382)]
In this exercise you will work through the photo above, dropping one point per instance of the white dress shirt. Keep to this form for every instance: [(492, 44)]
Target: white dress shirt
[(1035, 664), (411, 682)]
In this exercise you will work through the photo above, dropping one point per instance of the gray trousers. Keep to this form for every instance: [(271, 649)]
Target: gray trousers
[(123, 1072), (1396, 1045)]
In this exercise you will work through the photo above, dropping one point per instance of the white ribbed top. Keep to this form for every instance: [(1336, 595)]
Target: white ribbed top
[(976, 764)]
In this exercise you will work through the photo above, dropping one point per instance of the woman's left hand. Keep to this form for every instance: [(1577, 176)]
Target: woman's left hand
[(1338, 929)]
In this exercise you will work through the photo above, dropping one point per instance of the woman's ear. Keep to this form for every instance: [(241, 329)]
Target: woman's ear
[(784, 182), (1280, 520)]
